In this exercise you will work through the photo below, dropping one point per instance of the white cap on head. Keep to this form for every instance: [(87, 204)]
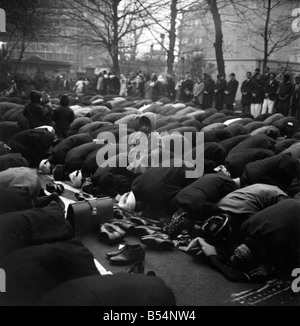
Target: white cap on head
[(49, 128), (128, 202), (45, 167), (76, 179)]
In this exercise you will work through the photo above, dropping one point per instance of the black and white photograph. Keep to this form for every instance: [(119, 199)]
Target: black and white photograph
[(149, 155)]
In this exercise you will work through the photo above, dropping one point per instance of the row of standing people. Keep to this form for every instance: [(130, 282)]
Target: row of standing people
[(270, 93)]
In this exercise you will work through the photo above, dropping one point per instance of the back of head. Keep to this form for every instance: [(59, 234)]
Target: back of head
[(45, 98), (65, 101), (287, 78), (35, 97)]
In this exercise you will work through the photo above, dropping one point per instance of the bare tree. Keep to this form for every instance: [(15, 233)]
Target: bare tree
[(102, 23), (267, 25), (214, 10), (27, 21), (165, 18)]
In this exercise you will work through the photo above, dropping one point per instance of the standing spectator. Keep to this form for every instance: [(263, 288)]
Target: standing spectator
[(35, 112), (114, 84), (199, 91), (105, 82), (178, 87), (67, 85), (257, 72), (46, 103), (131, 84), (123, 90), (100, 84), (209, 91), (271, 89), (148, 88), (296, 99), (220, 92), (267, 75), (157, 88), (285, 94), (63, 116), (186, 90), (280, 76), (170, 88), (79, 87), (258, 94), (246, 93), (140, 87), (230, 92)]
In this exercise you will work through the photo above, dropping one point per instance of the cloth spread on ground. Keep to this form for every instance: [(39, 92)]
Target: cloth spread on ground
[(274, 293)]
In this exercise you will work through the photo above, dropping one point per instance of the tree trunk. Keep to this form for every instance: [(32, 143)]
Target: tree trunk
[(114, 52), (23, 48), (172, 37), (266, 36), (219, 35)]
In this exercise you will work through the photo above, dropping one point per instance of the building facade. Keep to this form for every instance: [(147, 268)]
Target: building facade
[(243, 49)]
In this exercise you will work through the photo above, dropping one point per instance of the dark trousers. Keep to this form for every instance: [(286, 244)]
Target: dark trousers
[(230, 107), (219, 103), (246, 108)]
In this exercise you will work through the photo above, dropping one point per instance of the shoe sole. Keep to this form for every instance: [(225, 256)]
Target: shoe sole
[(128, 262)]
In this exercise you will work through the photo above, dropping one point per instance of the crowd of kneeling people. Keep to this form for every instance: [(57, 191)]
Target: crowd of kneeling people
[(243, 213)]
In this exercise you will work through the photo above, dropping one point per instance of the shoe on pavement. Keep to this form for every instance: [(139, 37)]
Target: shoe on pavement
[(130, 256)]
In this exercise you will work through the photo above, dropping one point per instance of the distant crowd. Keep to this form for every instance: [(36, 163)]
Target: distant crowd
[(266, 92), (261, 93)]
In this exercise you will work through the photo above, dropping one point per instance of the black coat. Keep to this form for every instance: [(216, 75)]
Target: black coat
[(36, 270), (60, 152), (32, 144), (246, 91), (232, 88), (221, 86), (209, 92), (159, 186), (258, 92), (211, 188), (276, 231), (271, 88), (63, 118)]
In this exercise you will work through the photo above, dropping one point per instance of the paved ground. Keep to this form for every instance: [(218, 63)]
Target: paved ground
[(194, 281)]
